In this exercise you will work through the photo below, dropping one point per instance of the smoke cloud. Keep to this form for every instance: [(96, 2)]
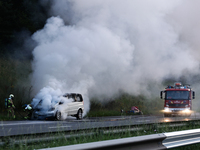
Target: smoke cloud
[(100, 47)]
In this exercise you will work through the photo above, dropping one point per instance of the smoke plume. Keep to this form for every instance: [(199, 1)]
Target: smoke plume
[(100, 47)]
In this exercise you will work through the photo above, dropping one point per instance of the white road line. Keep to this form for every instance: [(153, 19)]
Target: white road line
[(143, 121), (23, 123), (60, 127)]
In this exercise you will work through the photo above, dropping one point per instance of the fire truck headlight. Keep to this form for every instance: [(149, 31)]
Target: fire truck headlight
[(186, 110), (166, 109)]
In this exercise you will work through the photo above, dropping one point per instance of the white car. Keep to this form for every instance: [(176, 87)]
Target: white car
[(73, 107)]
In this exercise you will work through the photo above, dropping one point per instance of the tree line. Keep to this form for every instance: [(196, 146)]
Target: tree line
[(17, 16)]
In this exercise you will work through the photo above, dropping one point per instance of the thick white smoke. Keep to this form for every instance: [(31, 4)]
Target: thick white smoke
[(98, 47)]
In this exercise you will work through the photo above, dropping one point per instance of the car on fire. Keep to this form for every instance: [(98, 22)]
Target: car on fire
[(60, 109)]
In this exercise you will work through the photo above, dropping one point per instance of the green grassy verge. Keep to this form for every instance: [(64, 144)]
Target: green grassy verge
[(124, 102), (19, 115), (189, 147)]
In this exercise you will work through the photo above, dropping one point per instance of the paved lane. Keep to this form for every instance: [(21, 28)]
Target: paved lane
[(37, 126)]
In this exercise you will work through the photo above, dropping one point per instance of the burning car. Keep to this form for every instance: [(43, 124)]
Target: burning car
[(70, 104)]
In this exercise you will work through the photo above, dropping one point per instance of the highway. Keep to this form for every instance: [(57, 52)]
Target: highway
[(11, 128)]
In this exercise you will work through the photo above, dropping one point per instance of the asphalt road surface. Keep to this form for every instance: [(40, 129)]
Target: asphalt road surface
[(9, 128)]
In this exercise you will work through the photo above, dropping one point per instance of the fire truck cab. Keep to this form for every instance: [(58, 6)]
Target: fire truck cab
[(177, 99)]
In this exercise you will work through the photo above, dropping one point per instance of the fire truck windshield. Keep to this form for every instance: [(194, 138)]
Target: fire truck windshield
[(177, 95)]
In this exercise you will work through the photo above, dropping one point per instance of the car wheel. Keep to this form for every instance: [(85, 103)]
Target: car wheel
[(79, 115), (58, 115)]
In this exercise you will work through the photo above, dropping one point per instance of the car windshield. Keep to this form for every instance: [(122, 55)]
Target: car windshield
[(177, 95)]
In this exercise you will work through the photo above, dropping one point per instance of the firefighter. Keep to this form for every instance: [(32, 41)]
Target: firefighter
[(11, 106), (28, 108)]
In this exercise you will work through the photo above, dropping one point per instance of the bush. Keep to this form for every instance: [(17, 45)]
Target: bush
[(14, 78)]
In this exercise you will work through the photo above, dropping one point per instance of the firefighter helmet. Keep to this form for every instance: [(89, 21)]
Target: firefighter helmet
[(29, 107), (11, 96)]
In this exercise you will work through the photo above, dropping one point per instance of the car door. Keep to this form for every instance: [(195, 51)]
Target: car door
[(75, 105)]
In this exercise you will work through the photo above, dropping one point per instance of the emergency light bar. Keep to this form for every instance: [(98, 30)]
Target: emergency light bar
[(177, 84)]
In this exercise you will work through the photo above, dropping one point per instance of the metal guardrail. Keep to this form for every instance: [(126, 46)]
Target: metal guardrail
[(12, 140), (182, 138), (147, 142)]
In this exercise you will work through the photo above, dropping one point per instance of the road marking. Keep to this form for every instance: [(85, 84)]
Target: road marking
[(143, 121), (32, 122), (60, 127)]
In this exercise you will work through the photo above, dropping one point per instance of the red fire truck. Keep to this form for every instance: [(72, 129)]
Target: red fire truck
[(178, 99)]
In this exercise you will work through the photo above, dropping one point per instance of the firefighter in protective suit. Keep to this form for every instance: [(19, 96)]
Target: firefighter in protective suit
[(11, 106), (28, 108)]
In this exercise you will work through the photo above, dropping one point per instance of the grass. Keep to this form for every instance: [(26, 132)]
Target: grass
[(19, 115), (124, 102), (103, 113), (188, 147)]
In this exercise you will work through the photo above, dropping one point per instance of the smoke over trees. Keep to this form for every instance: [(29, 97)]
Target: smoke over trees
[(101, 47)]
